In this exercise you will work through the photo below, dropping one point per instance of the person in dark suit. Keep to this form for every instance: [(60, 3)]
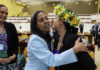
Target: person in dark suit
[(81, 27), (8, 42), (95, 29), (66, 39), (98, 35)]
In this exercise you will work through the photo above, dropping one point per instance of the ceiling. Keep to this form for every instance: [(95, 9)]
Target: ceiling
[(42, 1)]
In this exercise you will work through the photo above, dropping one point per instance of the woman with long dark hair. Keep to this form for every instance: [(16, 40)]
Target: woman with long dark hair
[(66, 24)]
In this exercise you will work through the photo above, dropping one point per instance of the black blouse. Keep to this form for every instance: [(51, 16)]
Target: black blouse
[(85, 62)]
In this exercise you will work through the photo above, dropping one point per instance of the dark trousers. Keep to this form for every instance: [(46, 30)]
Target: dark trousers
[(81, 30), (99, 42), (96, 39)]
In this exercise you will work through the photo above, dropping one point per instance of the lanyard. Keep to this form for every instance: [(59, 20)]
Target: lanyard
[(2, 33)]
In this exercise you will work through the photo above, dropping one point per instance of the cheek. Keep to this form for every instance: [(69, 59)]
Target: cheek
[(6, 17), (40, 26), (55, 24), (0, 14)]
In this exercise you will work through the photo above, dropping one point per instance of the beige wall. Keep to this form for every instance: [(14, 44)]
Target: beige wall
[(13, 8), (81, 8), (98, 6)]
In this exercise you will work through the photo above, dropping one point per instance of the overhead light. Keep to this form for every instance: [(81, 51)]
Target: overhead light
[(53, 4), (76, 3), (65, 4), (45, 5), (89, 3), (27, 6), (96, 2), (35, 1), (25, 1)]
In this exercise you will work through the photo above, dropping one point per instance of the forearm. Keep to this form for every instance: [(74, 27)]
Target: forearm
[(75, 50), (12, 57)]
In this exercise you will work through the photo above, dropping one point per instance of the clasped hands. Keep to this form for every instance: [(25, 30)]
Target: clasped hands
[(7, 60)]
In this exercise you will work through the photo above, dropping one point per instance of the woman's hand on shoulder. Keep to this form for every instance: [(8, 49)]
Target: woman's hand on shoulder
[(79, 47)]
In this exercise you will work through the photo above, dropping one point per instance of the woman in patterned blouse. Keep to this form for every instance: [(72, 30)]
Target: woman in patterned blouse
[(8, 42)]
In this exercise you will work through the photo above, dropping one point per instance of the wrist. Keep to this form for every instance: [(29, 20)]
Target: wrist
[(0, 60), (12, 57), (75, 50)]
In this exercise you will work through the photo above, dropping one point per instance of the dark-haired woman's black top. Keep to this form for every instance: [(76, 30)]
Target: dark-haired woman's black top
[(85, 62), (12, 40)]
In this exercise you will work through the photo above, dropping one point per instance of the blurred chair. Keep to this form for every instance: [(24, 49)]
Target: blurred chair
[(18, 50), (29, 37), (85, 39), (18, 31), (79, 33), (86, 33), (97, 67), (19, 37), (25, 32), (52, 68), (29, 31), (26, 54), (24, 37), (91, 53)]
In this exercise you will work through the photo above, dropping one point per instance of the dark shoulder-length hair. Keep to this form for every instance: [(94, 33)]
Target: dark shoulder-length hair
[(37, 31), (70, 28)]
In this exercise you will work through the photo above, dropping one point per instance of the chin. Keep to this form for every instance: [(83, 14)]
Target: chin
[(54, 28), (48, 30)]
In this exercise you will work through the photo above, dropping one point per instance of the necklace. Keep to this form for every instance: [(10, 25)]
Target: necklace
[(61, 39)]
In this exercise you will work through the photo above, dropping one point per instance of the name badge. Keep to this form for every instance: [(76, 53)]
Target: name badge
[(1, 46)]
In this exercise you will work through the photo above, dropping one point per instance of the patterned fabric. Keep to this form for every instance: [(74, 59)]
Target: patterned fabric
[(3, 54)]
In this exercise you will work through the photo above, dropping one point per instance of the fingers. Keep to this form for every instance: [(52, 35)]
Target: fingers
[(7, 60), (4, 61), (84, 49), (78, 40), (81, 44)]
